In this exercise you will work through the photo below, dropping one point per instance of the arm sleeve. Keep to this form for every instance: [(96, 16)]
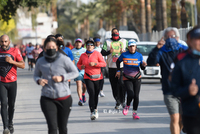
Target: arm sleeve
[(37, 73), (104, 50), (72, 71), (101, 61), (79, 63), (154, 57), (18, 55), (177, 87), (119, 60), (141, 66)]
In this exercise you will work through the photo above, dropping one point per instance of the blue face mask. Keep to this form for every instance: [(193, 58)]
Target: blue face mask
[(171, 44), (195, 52)]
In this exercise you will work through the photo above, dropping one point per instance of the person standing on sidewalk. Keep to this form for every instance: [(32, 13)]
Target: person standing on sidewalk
[(52, 72), (80, 83), (185, 82), (132, 60), (164, 54), (10, 60), (92, 61), (113, 48), (98, 48)]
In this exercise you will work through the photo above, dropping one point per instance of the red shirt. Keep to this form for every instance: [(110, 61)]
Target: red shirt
[(92, 70), (8, 72)]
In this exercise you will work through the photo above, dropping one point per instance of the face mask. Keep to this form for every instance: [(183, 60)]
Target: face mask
[(115, 36), (171, 44), (51, 52), (195, 52)]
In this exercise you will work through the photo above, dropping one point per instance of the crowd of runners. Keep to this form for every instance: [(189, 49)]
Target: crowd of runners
[(57, 64)]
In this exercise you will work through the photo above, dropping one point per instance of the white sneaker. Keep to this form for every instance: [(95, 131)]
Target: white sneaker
[(92, 116), (6, 131), (102, 94), (96, 113)]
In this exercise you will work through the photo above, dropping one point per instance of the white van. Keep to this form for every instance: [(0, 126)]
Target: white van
[(123, 34)]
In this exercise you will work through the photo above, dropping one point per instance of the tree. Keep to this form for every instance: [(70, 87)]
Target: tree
[(174, 14), (164, 11), (159, 15), (9, 7), (148, 16), (143, 16), (183, 15)]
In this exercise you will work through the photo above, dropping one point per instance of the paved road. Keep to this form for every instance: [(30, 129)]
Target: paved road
[(30, 120)]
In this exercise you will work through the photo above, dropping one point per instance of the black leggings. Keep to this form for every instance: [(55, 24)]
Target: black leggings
[(117, 86), (133, 90), (102, 81), (93, 91), (8, 90), (192, 124), (56, 114)]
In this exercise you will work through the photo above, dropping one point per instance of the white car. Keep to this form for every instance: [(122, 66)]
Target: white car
[(150, 72)]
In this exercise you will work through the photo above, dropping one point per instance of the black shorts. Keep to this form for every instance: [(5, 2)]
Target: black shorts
[(31, 60)]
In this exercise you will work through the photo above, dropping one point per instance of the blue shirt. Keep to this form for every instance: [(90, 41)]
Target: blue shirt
[(68, 52), (76, 54), (131, 62)]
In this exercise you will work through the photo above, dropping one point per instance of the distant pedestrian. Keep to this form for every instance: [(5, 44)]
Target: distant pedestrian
[(92, 61), (29, 50), (10, 60), (52, 72), (36, 52), (133, 61), (186, 82)]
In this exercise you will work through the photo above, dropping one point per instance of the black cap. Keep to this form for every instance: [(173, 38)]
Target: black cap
[(58, 35), (90, 40)]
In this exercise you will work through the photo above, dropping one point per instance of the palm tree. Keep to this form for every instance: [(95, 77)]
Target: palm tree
[(148, 16), (183, 15), (143, 16), (164, 12), (159, 15), (173, 14)]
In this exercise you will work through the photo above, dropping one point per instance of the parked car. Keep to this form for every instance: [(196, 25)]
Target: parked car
[(150, 72)]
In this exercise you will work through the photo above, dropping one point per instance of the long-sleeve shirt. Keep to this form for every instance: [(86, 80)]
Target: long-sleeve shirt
[(62, 66), (186, 68), (92, 70)]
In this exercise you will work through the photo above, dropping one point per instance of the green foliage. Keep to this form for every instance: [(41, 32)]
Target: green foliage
[(8, 8)]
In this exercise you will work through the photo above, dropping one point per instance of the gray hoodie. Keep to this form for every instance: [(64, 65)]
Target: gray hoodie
[(61, 66)]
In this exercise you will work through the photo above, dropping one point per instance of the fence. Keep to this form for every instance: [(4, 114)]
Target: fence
[(156, 36)]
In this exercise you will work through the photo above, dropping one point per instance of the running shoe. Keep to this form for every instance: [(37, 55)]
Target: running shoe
[(123, 105), (96, 113), (92, 116), (101, 94), (135, 116), (125, 110), (80, 103), (83, 98), (117, 107), (6, 131), (11, 128)]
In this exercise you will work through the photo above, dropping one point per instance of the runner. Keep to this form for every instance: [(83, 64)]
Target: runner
[(98, 48), (36, 52), (52, 72), (186, 82), (113, 48), (23, 51), (132, 77), (29, 50), (10, 60), (164, 54), (92, 61), (77, 51)]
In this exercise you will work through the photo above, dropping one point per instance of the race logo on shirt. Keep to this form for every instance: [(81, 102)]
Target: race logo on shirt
[(128, 61), (5, 67)]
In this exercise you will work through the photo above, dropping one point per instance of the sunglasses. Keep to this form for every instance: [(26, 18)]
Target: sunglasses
[(90, 44)]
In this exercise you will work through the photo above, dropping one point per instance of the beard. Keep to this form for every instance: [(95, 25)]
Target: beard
[(4, 47)]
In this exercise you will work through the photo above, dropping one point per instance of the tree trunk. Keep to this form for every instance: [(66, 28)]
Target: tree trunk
[(100, 23), (88, 28), (82, 31), (143, 16), (173, 14), (159, 15), (164, 11), (124, 18), (107, 26), (148, 12), (183, 15)]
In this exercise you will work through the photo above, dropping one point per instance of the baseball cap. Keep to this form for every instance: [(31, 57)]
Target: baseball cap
[(90, 40), (131, 42), (78, 39), (195, 33)]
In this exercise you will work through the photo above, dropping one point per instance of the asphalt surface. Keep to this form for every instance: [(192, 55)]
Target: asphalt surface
[(29, 119)]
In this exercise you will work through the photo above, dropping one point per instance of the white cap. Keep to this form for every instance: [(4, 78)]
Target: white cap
[(131, 42)]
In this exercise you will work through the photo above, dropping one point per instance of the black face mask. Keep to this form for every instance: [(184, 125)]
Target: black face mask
[(50, 52)]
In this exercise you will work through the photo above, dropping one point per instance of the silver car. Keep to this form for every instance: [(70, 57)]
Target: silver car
[(150, 72)]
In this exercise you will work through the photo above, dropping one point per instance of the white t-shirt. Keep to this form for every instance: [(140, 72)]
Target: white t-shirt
[(29, 52)]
